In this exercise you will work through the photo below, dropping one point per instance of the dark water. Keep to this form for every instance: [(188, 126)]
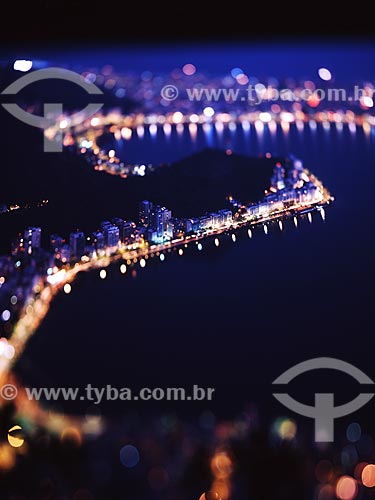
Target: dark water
[(232, 317)]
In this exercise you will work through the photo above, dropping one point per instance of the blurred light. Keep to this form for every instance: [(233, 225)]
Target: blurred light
[(236, 72), (366, 101), (153, 129), (71, 435), (7, 457), (140, 131), (242, 79), (353, 432), (194, 118), (5, 315), (22, 65), (162, 257), (111, 153), (208, 111), (326, 492), (14, 438), (126, 133), (129, 456), (189, 69), (210, 495), (13, 300), (368, 476), (313, 101), (9, 351), (177, 117), (167, 128), (142, 263), (67, 288), (64, 123), (120, 93), (221, 465), (324, 471), (199, 246), (265, 117), (123, 268), (288, 430), (287, 117), (233, 238), (358, 470), (180, 252), (346, 488), (324, 74), (217, 242), (103, 274), (95, 121)]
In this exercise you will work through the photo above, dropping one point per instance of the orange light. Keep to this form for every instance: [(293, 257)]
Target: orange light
[(368, 476), (346, 488)]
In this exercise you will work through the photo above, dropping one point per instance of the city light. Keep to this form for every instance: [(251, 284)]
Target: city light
[(208, 111), (103, 274), (346, 488), (368, 476), (14, 439), (189, 69), (22, 65), (5, 316), (324, 74), (67, 288)]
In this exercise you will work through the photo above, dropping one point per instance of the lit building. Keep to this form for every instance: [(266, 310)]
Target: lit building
[(278, 177), (159, 223), (77, 244), (129, 231), (111, 235), (97, 239), (120, 224), (226, 215), (32, 239), (145, 211)]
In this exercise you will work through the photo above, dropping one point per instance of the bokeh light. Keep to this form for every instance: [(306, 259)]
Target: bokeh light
[(189, 69), (368, 476), (129, 456), (346, 488)]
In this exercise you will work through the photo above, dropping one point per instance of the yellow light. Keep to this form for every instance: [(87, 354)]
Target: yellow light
[(15, 441), (288, 430)]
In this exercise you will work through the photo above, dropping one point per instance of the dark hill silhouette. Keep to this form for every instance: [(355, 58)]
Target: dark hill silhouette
[(80, 197)]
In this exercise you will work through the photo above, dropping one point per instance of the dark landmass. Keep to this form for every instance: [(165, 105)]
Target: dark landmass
[(80, 197)]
